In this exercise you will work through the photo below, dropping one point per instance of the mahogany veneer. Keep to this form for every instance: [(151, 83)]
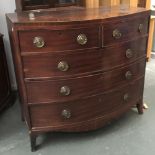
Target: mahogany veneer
[(78, 70)]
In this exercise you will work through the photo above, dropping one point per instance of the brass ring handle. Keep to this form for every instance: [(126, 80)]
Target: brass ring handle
[(38, 42), (82, 39), (117, 34), (140, 28), (65, 91), (63, 66), (129, 53), (128, 75), (126, 97), (66, 114)]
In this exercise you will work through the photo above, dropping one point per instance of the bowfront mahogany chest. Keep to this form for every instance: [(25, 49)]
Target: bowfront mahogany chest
[(78, 69)]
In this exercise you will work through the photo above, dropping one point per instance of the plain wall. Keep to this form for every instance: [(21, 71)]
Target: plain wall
[(7, 6)]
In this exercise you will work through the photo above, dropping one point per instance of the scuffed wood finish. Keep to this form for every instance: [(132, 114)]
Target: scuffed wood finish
[(104, 81), (49, 91), (6, 95), (50, 115), (77, 15), (59, 40), (46, 64), (129, 29)]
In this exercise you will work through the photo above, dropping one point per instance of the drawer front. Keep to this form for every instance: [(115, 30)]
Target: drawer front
[(74, 88), (125, 30), (59, 40), (70, 113), (70, 63)]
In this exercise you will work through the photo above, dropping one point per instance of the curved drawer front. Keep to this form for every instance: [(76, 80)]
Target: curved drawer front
[(125, 30), (75, 63), (59, 114), (74, 88), (59, 40)]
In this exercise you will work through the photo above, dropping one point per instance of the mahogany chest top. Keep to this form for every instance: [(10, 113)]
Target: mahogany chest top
[(72, 15)]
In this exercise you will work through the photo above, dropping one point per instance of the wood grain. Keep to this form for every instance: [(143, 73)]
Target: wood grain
[(46, 91), (84, 62), (81, 110), (59, 40), (129, 29), (99, 74)]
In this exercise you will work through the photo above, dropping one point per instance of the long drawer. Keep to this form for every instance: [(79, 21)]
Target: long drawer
[(66, 113), (54, 65), (124, 30), (45, 40), (74, 88)]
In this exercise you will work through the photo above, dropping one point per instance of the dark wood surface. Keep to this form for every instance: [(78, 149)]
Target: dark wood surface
[(71, 15), (50, 115), (129, 29), (80, 87), (6, 94), (23, 5), (46, 63), (101, 75), (52, 39)]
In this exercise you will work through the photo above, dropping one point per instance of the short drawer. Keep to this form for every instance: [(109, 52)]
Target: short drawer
[(70, 113), (74, 88), (125, 30), (59, 40), (65, 64)]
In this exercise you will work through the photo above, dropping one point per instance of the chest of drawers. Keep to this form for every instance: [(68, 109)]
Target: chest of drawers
[(77, 71)]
